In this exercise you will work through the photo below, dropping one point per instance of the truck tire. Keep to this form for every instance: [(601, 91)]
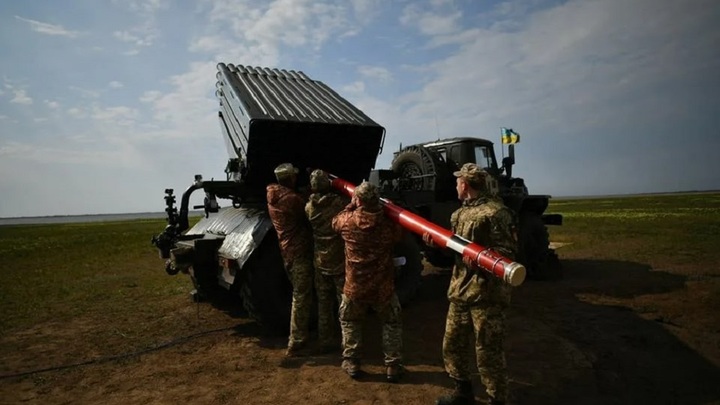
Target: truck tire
[(419, 161), (540, 261), (409, 164), (265, 288), (409, 276)]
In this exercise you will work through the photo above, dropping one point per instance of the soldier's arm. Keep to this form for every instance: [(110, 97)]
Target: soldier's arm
[(503, 232), (339, 221)]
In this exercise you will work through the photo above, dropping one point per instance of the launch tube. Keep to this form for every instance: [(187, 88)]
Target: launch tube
[(489, 260)]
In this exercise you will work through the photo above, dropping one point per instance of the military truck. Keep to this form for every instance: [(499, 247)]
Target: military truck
[(421, 179), (273, 116)]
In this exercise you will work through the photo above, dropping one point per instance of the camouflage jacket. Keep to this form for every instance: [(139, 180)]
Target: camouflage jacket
[(329, 247), (370, 238), (285, 207), (491, 224)]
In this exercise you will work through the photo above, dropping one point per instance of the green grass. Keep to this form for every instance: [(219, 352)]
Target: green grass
[(661, 230), (109, 272), (60, 271)]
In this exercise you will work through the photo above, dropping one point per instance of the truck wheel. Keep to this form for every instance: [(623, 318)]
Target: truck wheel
[(419, 169), (540, 261), (410, 164), (409, 276), (265, 288)]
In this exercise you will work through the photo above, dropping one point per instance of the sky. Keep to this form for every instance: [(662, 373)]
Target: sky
[(105, 103)]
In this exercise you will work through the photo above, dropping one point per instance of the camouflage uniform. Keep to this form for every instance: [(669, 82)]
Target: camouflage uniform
[(285, 207), (369, 279), (329, 255), (478, 300)]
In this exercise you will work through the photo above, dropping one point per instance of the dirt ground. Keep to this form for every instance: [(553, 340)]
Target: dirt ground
[(608, 332)]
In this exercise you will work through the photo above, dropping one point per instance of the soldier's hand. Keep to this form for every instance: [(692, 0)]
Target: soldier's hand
[(469, 262), (427, 238)]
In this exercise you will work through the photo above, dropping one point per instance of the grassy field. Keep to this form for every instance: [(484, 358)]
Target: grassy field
[(663, 231), (634, 320), (58, 272)]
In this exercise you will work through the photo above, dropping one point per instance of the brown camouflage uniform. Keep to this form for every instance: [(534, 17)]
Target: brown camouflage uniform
[(329, 255), (478, 300), (286, 209), (369, 281)]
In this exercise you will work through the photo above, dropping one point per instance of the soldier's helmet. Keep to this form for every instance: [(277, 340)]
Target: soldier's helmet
[(478, 178), (368, 194), (319, 181), (285, 170)]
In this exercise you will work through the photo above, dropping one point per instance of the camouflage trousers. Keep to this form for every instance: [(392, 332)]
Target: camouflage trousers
[(301, 276), (352, 314), (485, 327), (329, 295)]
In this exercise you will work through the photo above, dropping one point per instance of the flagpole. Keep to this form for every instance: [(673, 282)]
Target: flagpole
[(502, 144)]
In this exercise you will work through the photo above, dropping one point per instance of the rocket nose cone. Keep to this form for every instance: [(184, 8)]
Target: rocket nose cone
[(515, 274)]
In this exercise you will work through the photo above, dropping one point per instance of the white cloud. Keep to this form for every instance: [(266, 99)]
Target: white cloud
[(366, 10), (357, 87), (211, 43), (39, 119), (150, 96), (139, 36), (21, 97), (375, 72), (115, 85), (52, 104), (120, 115), (431, 23), (189, 107), (85, 93), (117, 154), (262, 29), (76, 112), (3, 117), (49, 29), (145, 32), (143, 6)]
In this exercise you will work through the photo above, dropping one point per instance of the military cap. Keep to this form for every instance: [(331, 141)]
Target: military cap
[(473, 174), (319, 180), (367, 193), (285, 170)]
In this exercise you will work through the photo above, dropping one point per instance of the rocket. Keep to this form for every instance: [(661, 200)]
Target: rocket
[(486, 259)]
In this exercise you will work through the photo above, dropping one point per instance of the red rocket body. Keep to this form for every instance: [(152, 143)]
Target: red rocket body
[(490, 261)]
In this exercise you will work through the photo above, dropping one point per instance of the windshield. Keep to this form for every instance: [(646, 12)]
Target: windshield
[(483, 157)]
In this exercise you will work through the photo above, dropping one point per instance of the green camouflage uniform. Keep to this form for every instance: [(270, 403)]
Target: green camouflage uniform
[(369, 282), (478, 300), (286, 210), (329, 255)]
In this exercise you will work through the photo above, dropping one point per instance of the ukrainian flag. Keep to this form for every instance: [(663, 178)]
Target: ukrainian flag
[(509, 136)]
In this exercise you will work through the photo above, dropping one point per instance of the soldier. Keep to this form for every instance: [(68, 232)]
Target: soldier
[(369, 279), (478, 301), (329, 255), (285, 207)]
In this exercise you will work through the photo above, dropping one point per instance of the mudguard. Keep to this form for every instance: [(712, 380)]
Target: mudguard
[(242, 230)]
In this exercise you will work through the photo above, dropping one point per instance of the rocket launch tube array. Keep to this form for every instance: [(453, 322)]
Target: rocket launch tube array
[(490, 261)]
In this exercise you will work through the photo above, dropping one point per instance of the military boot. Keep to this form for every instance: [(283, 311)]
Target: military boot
[(462, 395)]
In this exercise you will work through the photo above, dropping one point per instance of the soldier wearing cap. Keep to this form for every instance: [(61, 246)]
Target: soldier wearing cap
[(369, 238), (478, 301), (329, 248), (286, 209)]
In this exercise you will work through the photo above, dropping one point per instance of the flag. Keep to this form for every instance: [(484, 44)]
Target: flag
[(510, 136)]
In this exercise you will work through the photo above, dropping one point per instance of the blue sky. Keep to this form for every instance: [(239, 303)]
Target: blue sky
[(103, 104)]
